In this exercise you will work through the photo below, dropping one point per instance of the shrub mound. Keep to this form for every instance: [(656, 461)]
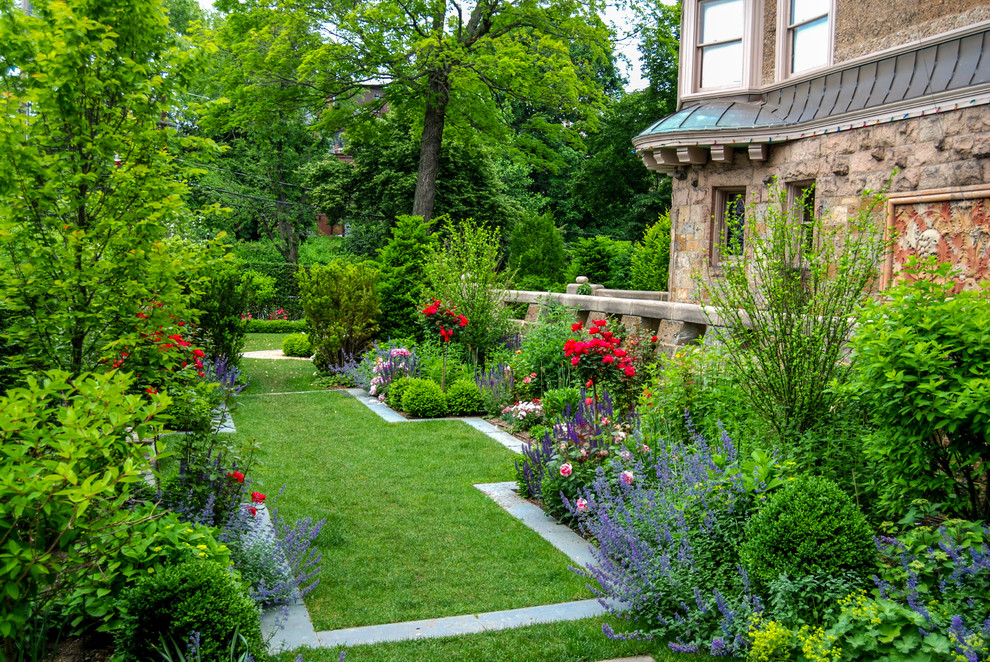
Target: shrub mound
[(811, 527), (423, 398), (196, 596), (297, 344), (464, 399), (396, 391)]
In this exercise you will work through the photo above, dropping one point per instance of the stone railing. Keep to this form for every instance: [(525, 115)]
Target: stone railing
[(675, 324)]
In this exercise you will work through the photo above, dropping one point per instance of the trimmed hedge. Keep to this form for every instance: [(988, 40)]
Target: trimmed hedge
[(275, 326), (286, 288), (297, 344), (424, 399)]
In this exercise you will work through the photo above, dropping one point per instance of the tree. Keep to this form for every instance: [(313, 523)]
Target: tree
[(88, 187), (536, 252), (651, 257), (401, 282), (450, 65)]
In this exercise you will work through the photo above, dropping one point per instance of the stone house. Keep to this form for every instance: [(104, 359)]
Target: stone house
[(830, 97)]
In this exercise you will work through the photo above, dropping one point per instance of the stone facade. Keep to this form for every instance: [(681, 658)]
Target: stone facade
[(950, 149)]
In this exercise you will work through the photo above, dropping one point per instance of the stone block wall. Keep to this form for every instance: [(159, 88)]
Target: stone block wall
[(948, 149)]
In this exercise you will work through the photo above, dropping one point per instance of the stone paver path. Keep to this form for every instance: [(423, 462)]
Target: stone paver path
[(293, 628)]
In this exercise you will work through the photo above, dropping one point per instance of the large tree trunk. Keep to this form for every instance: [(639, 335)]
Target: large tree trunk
[(429, 147)]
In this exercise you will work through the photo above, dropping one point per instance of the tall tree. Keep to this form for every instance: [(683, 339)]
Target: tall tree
[(88, 188), (453, 63)]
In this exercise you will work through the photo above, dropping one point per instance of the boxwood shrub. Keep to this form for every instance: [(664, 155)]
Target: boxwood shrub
[(195, 596), (297, 344), (423, 398), (811, 527), (275, 326), (464, 398)]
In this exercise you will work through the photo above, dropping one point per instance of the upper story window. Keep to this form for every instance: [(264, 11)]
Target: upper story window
[(809, 34), (720, 43), (726, 46)]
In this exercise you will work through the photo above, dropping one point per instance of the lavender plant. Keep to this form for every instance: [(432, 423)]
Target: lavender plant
[(668, 522), (496, 384), (384, 364)]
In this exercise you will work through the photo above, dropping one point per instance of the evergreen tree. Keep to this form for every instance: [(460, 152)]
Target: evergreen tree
[(401, 282)]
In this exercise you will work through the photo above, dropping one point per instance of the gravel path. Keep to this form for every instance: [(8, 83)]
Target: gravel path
[(273, 354)]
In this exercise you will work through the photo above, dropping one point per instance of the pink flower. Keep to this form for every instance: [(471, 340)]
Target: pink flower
[(626, 477), (566, 469), (644, 449), (575, 360), (589, 401), (526, 380), (582, 505)]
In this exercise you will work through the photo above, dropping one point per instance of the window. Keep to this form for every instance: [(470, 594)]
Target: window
[(728, 224), (720, 43), (809, 35), (801, 199)]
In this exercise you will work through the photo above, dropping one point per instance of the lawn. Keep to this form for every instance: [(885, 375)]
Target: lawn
[(571, 641), (407, 537), (278, 376), (255, 342)]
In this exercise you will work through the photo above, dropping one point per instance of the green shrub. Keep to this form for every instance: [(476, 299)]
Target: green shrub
[(275, 326), (297, 344), (196, 596), (536, 251), (603, 260), (396, 391), (68, 466), (423, 398), (456, 370), (651, 257), (464, 399), (556, 402), (221, 304), (286, 294), (923, 362), (261, 289), (466, 273), (341, 306), (401, 282), (811, 527)]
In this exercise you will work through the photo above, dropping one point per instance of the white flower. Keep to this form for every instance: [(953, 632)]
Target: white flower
[(625, 455), (582, 505)]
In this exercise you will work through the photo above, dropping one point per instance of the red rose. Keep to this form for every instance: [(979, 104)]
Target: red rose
[(577, 326), (654, 339), (257, 497), (252, 510), (462, 321), (236, 475), (593, 330), (601, 322), (198, 353)]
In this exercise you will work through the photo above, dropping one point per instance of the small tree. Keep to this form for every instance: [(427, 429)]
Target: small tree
[(341, 306), (651, 257), (787, 305), (466, 272), (401, 282), (88, 187), (536, 251)]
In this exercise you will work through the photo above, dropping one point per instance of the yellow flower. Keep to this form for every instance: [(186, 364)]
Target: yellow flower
[(201, 547)]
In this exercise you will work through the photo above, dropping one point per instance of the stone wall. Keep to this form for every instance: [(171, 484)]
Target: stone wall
[(867, 27), (950, 149)]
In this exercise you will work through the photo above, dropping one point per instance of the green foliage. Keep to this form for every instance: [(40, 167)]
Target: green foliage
[(603, 260), (323, 249), (397, 390), (424, 399), (651, 257), (221, 304), (542, 346), (536, 251), (788, 305), (558, 401), (810, 527), (923, 363), (611, 186), (261, 289), (464, 399), (401, 283), (274, 326), (286, 284), (297, 344), (196, 596), (466, 272), (68, 465), (258, 559), (89, 188), (341, 307)]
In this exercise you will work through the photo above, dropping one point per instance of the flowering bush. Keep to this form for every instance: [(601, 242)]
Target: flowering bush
[(523, 415), (606, 359), (444, 319), (496, 384)]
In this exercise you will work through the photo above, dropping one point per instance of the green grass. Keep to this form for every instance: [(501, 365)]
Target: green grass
[(572, 641), (408, 537), (255, 342), (278, 376)]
